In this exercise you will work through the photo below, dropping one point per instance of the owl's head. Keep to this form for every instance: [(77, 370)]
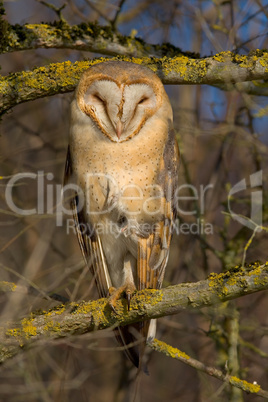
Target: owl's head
[(120, 97)]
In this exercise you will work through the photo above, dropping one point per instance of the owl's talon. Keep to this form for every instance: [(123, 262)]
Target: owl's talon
[(129, 297), (115, 295), (112, 307)]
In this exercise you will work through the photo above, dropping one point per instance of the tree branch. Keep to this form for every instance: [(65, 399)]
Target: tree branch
[(78, 318), (90, 37), (222, 69), (175, 353)]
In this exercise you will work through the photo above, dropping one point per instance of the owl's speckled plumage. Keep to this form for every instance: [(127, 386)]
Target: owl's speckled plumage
[(124, 158)]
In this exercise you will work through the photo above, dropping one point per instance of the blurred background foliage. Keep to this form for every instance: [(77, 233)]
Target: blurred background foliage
[(223, 139)]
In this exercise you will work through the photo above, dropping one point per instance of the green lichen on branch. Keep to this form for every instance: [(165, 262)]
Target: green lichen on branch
[(168, 350), (89, 36), (78, 318), (63, 77), (239, 277), (7, 286), (244, 385)]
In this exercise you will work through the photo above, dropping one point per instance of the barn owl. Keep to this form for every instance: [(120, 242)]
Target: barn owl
[(123, 158)]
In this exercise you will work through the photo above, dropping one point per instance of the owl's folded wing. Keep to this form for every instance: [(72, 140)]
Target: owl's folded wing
[(89, 240), (153, 251)]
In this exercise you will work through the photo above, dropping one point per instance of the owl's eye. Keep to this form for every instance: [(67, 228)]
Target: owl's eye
[(143, 100), (98, 98)]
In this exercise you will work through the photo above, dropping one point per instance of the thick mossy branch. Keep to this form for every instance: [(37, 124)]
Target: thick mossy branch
[(212, 371), (222, 69), (86, 36), (78, 318)]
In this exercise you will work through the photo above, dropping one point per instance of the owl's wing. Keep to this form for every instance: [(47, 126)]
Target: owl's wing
[(89, 240), (153, 251)]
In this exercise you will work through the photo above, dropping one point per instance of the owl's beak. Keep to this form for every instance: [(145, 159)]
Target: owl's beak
[(119, 128)]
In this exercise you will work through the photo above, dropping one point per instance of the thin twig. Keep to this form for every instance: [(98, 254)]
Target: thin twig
[(114, 21), (97, 10), (54, 8)]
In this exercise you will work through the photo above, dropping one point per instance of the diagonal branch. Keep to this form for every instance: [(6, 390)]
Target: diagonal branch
[(79, 318), (212, 371), (222, 69)]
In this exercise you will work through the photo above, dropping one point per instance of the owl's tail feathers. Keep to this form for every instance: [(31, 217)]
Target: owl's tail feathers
[(151, 330), (125, 337), (147, 330), (133, 339)]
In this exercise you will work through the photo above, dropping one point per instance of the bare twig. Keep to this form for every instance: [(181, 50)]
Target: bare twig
[(114, 21)]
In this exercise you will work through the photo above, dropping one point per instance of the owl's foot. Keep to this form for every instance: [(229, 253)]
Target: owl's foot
[(115, 294)]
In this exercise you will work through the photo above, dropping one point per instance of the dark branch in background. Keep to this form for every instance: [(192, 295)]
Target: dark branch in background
[(257, 88), (224, 69)]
